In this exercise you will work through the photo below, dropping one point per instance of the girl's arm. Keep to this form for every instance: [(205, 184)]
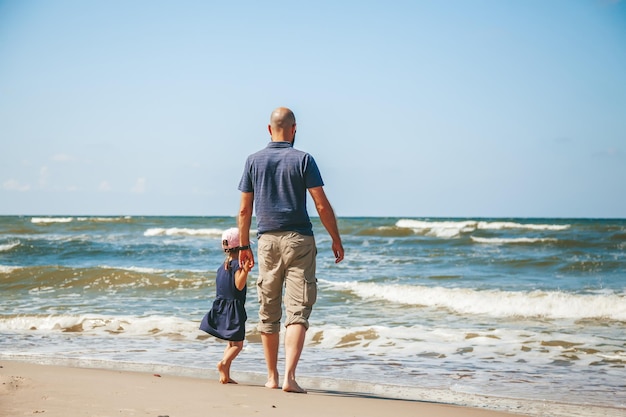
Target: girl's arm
[(241, 276)]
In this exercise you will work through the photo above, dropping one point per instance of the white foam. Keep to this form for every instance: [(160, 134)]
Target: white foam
[(497, 303), (142, 270), (176, 231), (42, 290), (529, 226), (4, 269), (8, 246), (46, 220), (442, 229), (102, 219), (499, 241), (445, 354), (90, 324), (452, 229)]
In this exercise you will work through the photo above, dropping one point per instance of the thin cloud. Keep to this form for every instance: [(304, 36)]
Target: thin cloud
[(15, 185), (62, 157), (44, 174), (104, 186), (140, 186)]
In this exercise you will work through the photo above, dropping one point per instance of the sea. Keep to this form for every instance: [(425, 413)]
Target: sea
[(515, 314)]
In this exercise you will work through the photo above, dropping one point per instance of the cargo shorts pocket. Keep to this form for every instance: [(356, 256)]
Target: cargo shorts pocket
[(259, 286), (310, 292)]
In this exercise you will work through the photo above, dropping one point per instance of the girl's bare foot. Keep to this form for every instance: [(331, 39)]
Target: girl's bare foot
[(224, 371)]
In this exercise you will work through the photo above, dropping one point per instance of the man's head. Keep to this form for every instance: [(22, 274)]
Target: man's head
[(282, 125)]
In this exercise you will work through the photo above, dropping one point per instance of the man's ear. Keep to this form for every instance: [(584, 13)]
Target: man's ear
[(269, 129)]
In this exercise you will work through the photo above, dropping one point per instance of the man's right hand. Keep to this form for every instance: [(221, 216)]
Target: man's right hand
[(246, 257)]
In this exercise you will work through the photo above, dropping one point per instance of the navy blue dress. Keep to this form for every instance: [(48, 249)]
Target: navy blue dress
[(227, 318)]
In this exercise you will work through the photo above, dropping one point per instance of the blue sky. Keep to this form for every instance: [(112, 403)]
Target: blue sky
[(411, 108)]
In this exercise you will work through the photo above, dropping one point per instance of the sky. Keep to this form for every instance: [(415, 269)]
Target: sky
[(451, 108)]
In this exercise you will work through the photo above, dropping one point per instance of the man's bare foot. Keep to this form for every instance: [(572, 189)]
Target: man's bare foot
[(272, 380), (292, 386), (271, 383), (224, 373)]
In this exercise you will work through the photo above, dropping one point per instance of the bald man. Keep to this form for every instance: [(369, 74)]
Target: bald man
[(275, 182)]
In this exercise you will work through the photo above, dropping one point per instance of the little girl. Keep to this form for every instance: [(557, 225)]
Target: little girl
[(227, 318)]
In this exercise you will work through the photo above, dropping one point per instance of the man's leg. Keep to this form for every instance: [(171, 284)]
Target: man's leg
[(294, 343), (271, 342), (269, 290), (300, 296)]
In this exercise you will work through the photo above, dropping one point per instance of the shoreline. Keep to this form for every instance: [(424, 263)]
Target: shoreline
[(43, 385)]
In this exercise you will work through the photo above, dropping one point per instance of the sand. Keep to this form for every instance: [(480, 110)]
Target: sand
[(50, 390)]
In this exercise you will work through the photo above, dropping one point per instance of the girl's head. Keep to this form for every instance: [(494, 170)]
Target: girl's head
[(230, 244), (230, 240)]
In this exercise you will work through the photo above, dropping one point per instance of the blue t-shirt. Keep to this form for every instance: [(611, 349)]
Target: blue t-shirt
[(279, 177)]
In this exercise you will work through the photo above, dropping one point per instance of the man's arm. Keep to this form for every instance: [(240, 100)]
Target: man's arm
[(327, 216), (244, 221)]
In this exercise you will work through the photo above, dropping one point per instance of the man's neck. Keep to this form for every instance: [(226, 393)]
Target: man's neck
[(281, 139)]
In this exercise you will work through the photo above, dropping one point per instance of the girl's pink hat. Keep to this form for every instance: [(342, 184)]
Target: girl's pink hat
[(230, 238)]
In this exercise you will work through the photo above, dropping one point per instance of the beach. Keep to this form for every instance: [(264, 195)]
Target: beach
[(29, 389), (52, 390), (521, 316)]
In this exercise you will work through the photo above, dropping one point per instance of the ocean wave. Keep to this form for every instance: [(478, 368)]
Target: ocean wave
[(177, 231), (104, 219), (4, 269), (519, 240), (157, 271), (50, 279), (153, 325), (618, 237), (385, 231), (453, 229), (438, 361), (410, 342), (528, 226), (141, 270), (441, 229), (50, 220), (496, 303), (8, 246)]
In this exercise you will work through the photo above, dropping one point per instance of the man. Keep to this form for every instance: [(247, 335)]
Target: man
[(275, 182)]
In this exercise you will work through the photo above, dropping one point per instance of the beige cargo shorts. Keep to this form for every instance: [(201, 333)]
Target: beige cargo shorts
[(285, 259)]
